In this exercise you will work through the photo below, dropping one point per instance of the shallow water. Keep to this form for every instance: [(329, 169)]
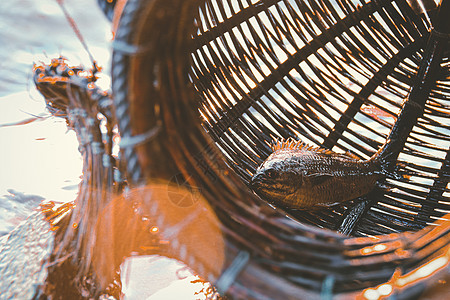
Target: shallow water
[(39, 158)]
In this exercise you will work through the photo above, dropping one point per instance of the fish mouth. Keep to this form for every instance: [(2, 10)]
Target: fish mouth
[(259, 181)]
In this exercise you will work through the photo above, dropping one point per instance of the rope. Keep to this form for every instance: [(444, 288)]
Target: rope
[(135, 140), (327, 288), (77, 32), (229, 275)]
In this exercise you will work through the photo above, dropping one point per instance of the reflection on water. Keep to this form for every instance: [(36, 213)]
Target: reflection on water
[(39, 155), (14, 208), (32, 30)]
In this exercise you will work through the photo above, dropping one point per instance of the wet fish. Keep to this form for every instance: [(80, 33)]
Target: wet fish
[(299, 176)]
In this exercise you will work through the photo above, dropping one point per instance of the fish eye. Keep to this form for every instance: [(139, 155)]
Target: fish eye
[(271, 173)]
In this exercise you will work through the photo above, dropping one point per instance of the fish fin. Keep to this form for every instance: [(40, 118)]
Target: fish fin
[(274, 145), (291, 143), (318, 178), (352, 155), (388, 159), (391, 172)]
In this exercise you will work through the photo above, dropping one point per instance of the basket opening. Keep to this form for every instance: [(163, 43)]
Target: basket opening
[(334, 75)]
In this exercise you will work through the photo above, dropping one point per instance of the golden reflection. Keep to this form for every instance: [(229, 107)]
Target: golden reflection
[(159, 218), (399, 281), (396, 246), (54, 213), (371, 249)]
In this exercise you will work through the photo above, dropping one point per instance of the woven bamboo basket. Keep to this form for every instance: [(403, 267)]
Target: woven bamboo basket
[(201, 90)]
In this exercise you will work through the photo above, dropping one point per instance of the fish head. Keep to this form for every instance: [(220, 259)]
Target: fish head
[(278, 178)]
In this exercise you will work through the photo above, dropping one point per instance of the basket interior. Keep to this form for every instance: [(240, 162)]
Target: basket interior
[(333, 74)]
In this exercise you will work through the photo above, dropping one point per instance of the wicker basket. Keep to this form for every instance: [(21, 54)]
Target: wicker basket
[(343, 75)]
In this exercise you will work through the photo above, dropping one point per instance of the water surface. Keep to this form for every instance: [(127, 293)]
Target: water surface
[(39, 157)]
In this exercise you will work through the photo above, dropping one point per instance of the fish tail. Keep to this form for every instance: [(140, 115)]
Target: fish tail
[(388, 154), (387, 164), (380, 166)]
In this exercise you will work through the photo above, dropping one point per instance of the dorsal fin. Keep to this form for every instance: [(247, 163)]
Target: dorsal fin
[(288, 143), (291, 143), (351, 155)]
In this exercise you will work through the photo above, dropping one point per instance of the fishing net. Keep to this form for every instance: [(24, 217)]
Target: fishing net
[(203, 88)]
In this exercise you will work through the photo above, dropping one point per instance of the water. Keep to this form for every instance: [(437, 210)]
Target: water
[(39, 157), (42, 157)]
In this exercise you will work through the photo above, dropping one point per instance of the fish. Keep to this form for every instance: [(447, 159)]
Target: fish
[(299, 176)]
